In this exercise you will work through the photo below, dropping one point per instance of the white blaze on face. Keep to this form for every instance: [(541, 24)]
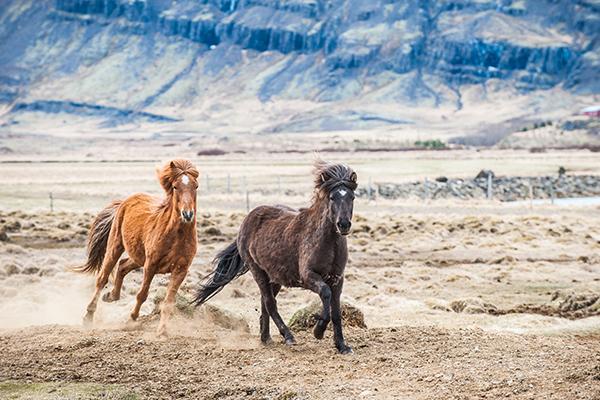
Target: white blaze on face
[(185, 180), (343, 192)]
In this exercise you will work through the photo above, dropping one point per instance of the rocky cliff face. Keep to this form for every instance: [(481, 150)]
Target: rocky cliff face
[(146, 56)]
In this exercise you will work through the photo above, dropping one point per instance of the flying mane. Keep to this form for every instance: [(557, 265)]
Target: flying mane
[(328, 176), (173, 170)]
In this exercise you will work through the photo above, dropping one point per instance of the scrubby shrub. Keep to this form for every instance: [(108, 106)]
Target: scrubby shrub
[(537, 150), (434, 144), (211, 152)]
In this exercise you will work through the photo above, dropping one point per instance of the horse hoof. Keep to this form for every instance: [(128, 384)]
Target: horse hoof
[(162, 334), (107, 297), (290, 341), (318, 332), (268, 341), (88, 319), (346, 350), (132, 325)]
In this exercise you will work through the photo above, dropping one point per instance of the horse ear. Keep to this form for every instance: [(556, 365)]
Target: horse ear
[(172, 164), (353, 177)]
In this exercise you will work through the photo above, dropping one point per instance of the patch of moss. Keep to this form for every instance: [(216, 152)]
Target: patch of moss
[(306, 317), (183, 303)]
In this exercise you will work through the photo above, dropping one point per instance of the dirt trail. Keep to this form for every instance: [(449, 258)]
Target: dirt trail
[(415, 363)]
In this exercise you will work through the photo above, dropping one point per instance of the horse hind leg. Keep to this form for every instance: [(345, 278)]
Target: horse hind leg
[(150, 268), (168, 305), (125, 266), (113, 252), (265, 335), (270, 305)]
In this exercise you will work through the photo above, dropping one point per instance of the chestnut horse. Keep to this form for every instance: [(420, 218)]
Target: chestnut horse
[(158, 235), (305, 248)]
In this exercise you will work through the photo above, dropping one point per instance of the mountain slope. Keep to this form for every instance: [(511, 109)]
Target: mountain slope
[(158, 60)]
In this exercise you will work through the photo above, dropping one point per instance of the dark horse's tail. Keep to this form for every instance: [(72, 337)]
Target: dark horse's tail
[(229, 266), (98, 239)]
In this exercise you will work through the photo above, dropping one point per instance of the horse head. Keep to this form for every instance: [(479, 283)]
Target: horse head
[(179, 179), (336, 184)]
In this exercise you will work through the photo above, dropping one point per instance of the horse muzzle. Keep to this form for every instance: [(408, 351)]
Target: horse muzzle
[(343, 227), (187, 215)]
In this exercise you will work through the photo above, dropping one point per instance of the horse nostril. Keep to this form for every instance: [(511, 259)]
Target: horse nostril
[(344, 225), (187, 215)]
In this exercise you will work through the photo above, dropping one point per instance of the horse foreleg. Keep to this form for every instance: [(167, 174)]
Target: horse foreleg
[(265, 335), (114, 251), (168, 305), (336, 318), (149, 272), (125, 266), (315, 282)]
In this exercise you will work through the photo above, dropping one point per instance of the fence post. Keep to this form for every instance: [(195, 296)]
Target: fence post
[(489, 186), (552, 194), (370, 189), (426, 189), (530, 193), (245, 187), (51, 203)]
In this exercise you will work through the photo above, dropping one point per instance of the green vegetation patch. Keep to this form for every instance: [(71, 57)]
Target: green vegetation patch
[(17, 390), (431, 144)]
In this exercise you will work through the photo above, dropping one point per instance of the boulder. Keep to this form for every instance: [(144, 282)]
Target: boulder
[(484, 173)]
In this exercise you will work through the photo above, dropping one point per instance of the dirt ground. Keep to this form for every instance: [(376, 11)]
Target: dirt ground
[(399, 363), (460, 303)]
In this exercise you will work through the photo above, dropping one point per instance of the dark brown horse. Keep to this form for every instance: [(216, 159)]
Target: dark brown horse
[(158, 235), (285, 247)]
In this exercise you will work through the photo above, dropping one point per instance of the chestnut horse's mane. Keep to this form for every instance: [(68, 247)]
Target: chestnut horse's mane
[(328, 176), (173, 170)]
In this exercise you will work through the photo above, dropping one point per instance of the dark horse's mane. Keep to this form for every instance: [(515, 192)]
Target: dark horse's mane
[(329, 176)]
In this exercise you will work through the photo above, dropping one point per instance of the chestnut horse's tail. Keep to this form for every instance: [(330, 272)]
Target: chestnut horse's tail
[(98, 238), (229, 266)]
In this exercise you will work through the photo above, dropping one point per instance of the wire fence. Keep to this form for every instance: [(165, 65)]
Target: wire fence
[(242, 193)]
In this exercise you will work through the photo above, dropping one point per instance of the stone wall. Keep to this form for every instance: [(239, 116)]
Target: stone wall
[(503, 188)]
